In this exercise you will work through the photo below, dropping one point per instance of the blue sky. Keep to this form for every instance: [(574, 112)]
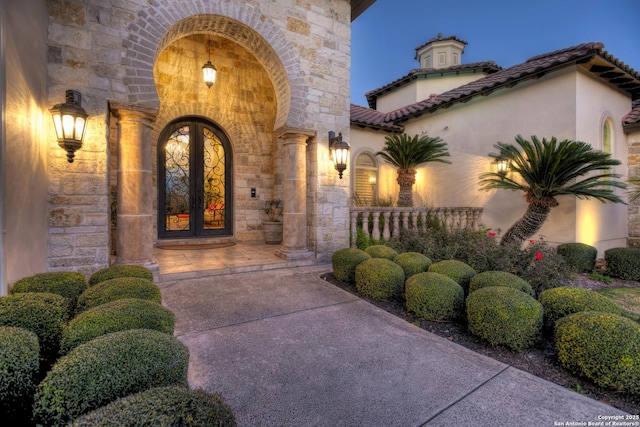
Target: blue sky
[(384, 37)]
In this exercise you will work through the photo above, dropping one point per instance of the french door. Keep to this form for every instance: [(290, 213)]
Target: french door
[(194, 180)]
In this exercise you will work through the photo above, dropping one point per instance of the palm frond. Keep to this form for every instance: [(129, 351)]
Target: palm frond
[(405, 152)]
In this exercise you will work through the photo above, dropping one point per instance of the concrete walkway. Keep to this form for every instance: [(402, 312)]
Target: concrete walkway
[(285, 348)]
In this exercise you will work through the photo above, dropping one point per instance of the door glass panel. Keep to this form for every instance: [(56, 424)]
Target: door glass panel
[(214, 182), (177, 181)]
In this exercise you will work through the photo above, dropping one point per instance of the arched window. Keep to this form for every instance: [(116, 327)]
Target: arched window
[(607, 137), (366, 179)]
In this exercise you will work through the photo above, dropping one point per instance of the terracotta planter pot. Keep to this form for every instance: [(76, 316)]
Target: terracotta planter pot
[(272, 232)]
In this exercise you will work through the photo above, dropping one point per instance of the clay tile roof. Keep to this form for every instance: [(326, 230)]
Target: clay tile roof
[(367, 117), (440, 38), (606, 67), (486, 67), (631, 121)]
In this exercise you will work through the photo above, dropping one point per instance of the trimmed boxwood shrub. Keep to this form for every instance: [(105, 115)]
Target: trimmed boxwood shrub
[(601, 346), (623, 262), (119, 315), (379, 279), (19, 361), (67, 284), (43, 314), (457, 270), (505, 316), (566, 300), (434, 296), (412, 263), (123, 270), (106, 368), (163, 406), (345, 261), (119, 288), (499, 278), (581, 257), (381, 251)]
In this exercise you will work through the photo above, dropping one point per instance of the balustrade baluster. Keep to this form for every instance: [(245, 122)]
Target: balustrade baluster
[(375, 232), (386, 234)]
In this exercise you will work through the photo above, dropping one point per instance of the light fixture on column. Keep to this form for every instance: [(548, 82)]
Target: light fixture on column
[(209, 70), (339, 152), (70, 121), (501, 164)]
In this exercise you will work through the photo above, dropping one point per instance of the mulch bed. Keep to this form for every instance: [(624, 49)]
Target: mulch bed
[(540, 360)]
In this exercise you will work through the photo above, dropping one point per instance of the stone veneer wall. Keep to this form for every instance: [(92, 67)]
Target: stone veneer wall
[(107, 49), (633, 142)]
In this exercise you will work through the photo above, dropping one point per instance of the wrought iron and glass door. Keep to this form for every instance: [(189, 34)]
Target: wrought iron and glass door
[(194, 180)]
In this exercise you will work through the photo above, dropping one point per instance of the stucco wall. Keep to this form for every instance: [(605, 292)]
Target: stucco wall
[(24, 148), (566, 104)]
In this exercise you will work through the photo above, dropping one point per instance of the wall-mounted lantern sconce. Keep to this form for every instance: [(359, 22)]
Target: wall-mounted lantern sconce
[(502, 165), (372, 180), (70, 121), (339, 152), (209, 70)]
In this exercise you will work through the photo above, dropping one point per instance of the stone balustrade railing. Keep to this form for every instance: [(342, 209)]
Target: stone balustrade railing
[(393, 219)]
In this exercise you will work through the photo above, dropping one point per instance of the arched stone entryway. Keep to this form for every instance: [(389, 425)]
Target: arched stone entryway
[(152, 35)]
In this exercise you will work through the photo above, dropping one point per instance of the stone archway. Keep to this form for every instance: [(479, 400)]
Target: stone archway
[(244, 25)]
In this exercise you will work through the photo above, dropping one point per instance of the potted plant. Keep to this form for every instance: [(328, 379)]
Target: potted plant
[(273, 226)]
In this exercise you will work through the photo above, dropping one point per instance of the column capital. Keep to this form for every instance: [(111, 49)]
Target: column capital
[(287, 132), (134, 112)]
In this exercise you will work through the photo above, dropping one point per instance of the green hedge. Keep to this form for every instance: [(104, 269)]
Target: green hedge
[(163, 406), (43, 314), (601, 346), (581, 257), (566, 300), (19, 362), (499, 278), (623, 262), (412, 263), (345, 261), (434, 296), (380, 279), (67, 284), (460, 272), (381, 251), (114, 316), (505, 316), (119, 288), (106, 368), (123, 270)]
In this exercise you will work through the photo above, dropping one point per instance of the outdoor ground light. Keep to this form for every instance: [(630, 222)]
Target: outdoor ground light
[(339, 150), (70, 121), (502, 165), (209, 70)]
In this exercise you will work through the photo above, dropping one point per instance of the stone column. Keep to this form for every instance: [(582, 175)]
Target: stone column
[(135, 187), (294, 215)]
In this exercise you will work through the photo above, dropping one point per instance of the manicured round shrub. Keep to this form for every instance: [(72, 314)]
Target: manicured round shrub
[(601, 346), (19, 361), (114, 316), (581, 257), (566, 300), (412, 263), (434, 296), (457, 270), (123, 270), (499, 278), (345, 261), (163, 406), (505, 316), (623, 262), (119, 288), (381, 251), (42, 313), (379, 279), (67, 284), (106, 368)]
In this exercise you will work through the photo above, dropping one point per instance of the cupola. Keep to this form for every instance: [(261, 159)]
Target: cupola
[(441, 52)]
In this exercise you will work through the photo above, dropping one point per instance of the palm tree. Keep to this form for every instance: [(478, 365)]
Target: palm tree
[(549, 169), (406, 153)]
